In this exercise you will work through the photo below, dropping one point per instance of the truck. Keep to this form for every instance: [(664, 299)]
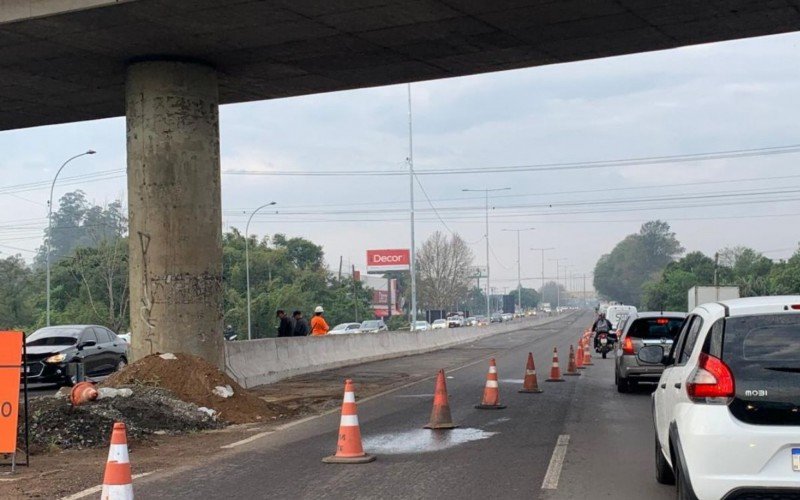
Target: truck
[(545, 307), (704, 294)]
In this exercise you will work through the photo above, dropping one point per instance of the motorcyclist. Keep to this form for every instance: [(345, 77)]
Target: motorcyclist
[(602, 325)]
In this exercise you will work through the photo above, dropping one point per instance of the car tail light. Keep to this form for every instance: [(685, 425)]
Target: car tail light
[(711, 382), (662, 321), (795, 306), (627, 346)]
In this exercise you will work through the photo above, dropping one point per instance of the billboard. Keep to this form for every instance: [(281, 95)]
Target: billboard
[(380, 261)]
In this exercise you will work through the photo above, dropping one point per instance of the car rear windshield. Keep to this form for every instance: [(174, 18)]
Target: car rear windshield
[(763, 352), (656, 328)]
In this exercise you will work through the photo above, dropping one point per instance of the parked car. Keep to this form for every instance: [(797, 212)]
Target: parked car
[(471, 321), (373, 326), (343, 328), (422, 326), (439, 324), (726, 407), (455, 321), (636, 331), (55, 354), (481, 320)]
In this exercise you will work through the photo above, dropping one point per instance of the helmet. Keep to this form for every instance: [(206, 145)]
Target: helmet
[(318, 309)]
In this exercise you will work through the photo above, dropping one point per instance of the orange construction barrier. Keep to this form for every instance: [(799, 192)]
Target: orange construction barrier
[(117, 480), (440, 415), (349, 449), (587, 354), (491, 392), (555, 370), (531, 384), (572, 369), (82, 392)]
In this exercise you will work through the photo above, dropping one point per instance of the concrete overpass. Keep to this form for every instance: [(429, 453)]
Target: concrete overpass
[(168, 64)]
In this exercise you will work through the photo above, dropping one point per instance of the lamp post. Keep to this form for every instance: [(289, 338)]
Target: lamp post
[(543, 250), (519, 266), (413, 264), (247, 264), (558, 286), (488, 288), (50, 225)]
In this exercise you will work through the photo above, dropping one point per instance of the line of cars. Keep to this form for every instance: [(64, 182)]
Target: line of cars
[(726, 405)]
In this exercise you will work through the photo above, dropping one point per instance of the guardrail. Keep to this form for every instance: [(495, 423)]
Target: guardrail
[(263, 361)]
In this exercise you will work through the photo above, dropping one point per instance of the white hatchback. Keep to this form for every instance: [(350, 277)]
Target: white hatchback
[(727, 407)]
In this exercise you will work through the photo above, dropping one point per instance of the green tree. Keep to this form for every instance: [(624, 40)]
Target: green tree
[(17, 294), (553, 293)]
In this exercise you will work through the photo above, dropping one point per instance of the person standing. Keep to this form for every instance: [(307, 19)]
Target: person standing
[(319, 326), (301, 328), (285, 328)]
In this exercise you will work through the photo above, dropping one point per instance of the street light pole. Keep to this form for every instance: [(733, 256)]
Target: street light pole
[(488, 287), (50, 226), (413, 266), (519, 266), (247, 264), (543, 250), (558, 286)]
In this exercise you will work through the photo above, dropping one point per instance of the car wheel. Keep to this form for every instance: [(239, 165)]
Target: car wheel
[(664, 474), (122, 364), (622, 385)]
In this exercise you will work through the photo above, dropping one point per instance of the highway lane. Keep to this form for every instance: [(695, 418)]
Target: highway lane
[(496, 454)]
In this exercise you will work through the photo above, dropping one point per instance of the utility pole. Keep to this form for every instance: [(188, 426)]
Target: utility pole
[(543, 250), (519, 271), (488, 274), (558, 285), (413, 264)]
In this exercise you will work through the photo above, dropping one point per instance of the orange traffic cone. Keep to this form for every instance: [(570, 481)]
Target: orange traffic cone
[(572, 369), (117, 481), (349, 449), (82, 392), (440, 415), (579, 356), (531, 384), (491, 392), (555, 371), (587, 354)]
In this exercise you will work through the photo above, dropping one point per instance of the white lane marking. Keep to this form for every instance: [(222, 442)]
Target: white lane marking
[(247, 440), (556, 463), (97, 489)]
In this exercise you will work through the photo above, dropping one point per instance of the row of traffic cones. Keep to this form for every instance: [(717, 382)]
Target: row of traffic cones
[(350, 450)]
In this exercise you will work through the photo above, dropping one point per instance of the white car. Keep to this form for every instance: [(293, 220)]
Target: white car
[(422, 326), (345, 328), (455, 321), (125, 336), (373, 326), (727, 407), (439, 324)]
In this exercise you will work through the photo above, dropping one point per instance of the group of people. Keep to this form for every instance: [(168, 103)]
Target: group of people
[(297, 326)]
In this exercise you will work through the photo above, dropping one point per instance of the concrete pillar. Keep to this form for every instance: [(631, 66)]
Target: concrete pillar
[(174, 209)]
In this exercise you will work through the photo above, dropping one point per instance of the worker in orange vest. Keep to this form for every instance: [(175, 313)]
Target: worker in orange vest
[(318, 324)]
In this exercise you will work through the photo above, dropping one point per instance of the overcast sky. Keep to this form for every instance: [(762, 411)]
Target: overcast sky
[(718, 97)]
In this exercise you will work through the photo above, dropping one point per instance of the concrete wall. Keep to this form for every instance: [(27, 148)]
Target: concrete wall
[(263, 361)]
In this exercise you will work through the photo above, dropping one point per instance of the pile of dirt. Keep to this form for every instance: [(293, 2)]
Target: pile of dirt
[(194, 380), (56, 424)]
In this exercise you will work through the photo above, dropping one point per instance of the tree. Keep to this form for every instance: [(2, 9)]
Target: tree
[(17, 294), (639, 257), (530, 297), (553, 293), (443, 271)]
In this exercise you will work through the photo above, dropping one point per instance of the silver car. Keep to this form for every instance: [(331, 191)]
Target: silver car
[(640, 329)]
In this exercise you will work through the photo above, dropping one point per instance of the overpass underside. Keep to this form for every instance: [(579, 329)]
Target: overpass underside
[(168, 64)]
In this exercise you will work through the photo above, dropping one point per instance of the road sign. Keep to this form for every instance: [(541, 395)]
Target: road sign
[(380, 261), (10, 366)]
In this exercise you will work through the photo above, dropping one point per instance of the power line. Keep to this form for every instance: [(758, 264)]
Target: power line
[(431, 205)]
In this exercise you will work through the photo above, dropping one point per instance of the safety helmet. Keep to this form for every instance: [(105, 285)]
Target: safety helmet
[(318, 309)]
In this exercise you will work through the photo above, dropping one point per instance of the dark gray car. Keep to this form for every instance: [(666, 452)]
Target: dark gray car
[(641, 329)]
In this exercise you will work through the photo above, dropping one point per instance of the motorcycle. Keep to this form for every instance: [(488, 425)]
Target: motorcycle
[(605, 343)]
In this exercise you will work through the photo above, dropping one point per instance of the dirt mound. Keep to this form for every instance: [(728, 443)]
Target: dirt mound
[(56, 424), (193, 380)]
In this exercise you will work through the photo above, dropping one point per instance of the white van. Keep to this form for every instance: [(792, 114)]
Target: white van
[(617, 312)]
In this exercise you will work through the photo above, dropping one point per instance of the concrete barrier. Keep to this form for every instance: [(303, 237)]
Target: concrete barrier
[(263, 361)]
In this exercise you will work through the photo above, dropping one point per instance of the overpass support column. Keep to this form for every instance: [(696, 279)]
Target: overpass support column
[(175, 228)]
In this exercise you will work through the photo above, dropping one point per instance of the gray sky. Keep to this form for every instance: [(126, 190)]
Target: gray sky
[(727, 96)]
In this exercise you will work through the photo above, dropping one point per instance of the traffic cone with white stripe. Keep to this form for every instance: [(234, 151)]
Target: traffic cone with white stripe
[(579, 356), (587, 354), (572, 368), (555, 370), (117, 481), (440, 415), (531, 384), (349, 449), (491, 392)]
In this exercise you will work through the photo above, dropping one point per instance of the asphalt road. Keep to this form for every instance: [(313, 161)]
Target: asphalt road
[(505, 454)]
